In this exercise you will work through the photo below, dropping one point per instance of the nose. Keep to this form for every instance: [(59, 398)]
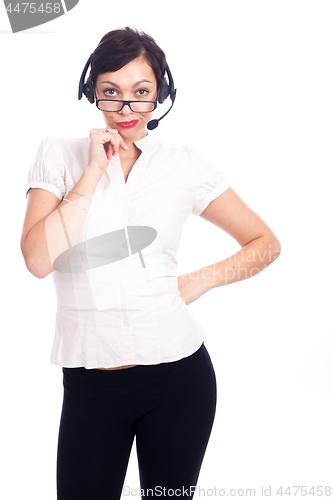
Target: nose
[(126, 110)]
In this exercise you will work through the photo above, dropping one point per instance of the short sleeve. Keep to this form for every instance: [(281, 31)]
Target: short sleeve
[(48, 169), (210, 181)]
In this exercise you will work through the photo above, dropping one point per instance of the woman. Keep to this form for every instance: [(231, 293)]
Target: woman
[(105, 215)]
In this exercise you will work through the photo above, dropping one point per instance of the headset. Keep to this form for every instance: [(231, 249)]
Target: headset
[(167, 89)]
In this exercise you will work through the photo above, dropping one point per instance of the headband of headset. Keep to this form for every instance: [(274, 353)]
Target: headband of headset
[(166, 89)]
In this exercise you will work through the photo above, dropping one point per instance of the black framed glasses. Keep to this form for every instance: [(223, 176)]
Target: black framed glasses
[(115, 105)]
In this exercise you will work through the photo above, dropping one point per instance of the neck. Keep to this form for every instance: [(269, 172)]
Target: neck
[(132, 149)]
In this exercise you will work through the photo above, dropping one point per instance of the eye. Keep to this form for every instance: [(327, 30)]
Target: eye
[(142, 92), (110, 92)]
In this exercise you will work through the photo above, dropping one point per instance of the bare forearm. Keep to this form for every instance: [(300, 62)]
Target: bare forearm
[(60, 230), (247, 262)]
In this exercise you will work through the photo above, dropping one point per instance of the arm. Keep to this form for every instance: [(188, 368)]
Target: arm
[(260, 247), (47, 221)]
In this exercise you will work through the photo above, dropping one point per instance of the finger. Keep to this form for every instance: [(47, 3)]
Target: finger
[(123, 144), (111, 130), (110, 142), (115, 148), (108, 150)]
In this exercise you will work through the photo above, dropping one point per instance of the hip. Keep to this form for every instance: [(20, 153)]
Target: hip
[(194, 367)]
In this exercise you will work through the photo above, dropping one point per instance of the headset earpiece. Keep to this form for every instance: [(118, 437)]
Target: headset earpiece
[(166, 90), (86, 88), (88, 91), (163, 92)]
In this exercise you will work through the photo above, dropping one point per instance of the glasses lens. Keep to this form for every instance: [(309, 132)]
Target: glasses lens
[(142, 106), (137, 106), (109, 105)]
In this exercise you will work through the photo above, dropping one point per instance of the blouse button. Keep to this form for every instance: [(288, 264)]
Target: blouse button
[(125, 323), (125, 205)]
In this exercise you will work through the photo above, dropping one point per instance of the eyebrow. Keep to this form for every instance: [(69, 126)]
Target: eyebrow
[(137, 83)]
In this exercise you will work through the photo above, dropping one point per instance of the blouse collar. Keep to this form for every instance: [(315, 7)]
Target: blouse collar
[(146, 142)]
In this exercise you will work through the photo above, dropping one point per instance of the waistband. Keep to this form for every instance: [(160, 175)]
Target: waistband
[(134, 377)]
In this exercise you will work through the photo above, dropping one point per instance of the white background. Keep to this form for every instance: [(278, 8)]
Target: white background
[(254, 82)]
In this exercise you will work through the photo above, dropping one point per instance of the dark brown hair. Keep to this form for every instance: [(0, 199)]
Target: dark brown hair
[(121, 46)]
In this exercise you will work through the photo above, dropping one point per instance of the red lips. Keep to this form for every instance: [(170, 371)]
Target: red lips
[(130, 124)]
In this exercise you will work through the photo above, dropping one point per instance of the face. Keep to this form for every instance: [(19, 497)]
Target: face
[(133, 82)]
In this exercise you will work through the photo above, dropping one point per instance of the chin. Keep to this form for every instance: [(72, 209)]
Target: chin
[(132, 133)]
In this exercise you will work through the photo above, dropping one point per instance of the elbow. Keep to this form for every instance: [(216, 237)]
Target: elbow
[(39, 274), (269, 243), (35, 270), (34, 267), (270, 246), (275, 247)]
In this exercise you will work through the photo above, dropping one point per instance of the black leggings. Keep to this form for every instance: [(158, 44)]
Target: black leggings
[(168, 407)]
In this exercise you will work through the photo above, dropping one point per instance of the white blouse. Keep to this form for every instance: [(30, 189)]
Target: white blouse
[(119, 304)]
